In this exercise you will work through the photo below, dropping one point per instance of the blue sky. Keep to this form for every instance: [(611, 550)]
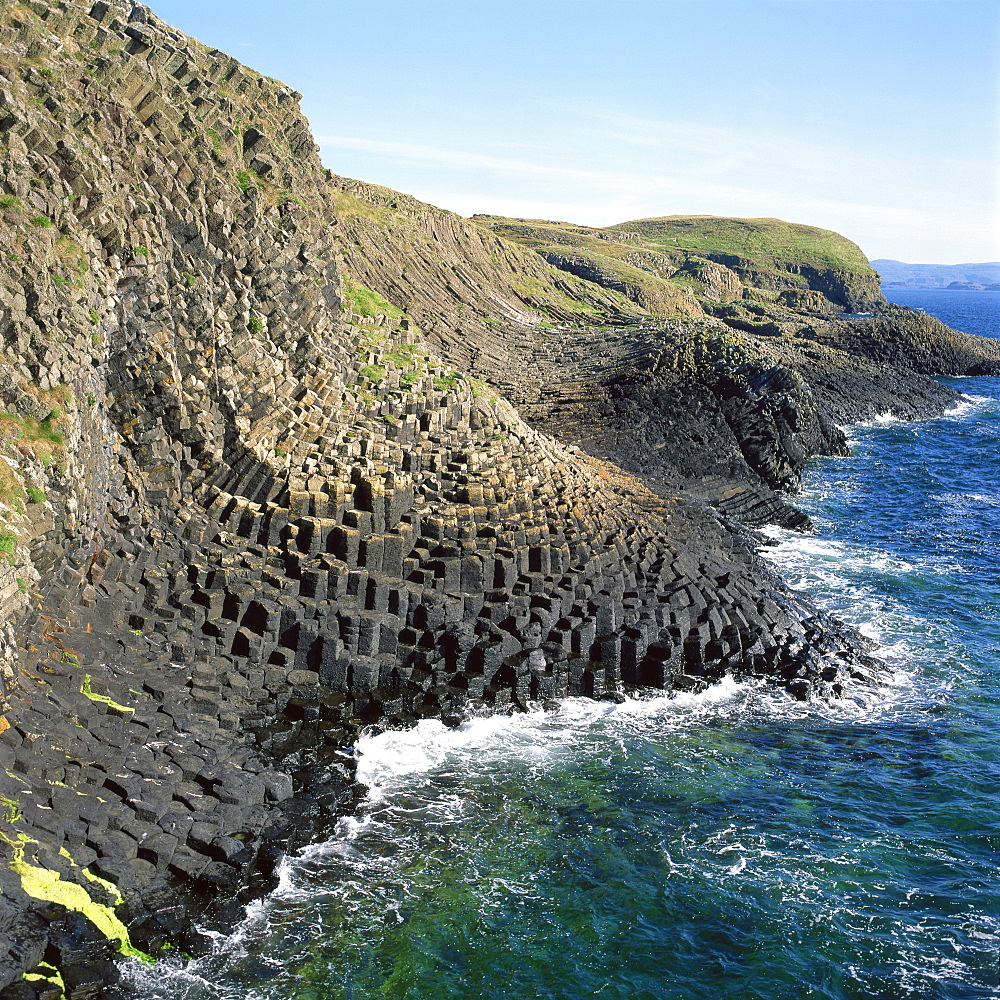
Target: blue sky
[(879, 119)]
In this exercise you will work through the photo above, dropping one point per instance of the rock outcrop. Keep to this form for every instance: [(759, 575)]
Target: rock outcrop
[(285, 454), (653, 261)]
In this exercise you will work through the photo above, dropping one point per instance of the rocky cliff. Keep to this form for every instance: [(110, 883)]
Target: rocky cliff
[(654, 261), (285, 454)]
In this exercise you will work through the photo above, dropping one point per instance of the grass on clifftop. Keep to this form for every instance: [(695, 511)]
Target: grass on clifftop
[(659, 259), (766, 240)]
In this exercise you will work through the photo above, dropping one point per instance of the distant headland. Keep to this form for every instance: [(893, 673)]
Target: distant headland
[(977, 277)]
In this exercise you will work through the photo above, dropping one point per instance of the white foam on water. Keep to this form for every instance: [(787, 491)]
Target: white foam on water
[(846, 581), (962, 503), (837, 576), (879, 420), (384, 758), (959, 411), (404, 772), (396, 766), (965, 406)]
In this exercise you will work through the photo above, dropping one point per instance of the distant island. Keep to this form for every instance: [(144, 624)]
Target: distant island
[(896, 274)]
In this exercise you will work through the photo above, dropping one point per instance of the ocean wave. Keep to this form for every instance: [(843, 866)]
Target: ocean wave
[(384, 758), (835, 562), (879, 420), (439, 795), (962, 501), (960, 410), (965, 406)]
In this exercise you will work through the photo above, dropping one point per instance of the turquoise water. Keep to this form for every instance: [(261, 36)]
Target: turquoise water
[(733, 844)]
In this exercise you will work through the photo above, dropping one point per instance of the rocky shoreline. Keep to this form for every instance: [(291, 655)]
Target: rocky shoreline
[(286, 455)]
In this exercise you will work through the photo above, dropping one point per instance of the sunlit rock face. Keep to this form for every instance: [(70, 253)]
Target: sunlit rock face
[(286, 454)]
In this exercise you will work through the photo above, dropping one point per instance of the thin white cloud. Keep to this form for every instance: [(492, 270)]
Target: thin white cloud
[(647, 203), (437, 156), (633, 191), (805, 161)]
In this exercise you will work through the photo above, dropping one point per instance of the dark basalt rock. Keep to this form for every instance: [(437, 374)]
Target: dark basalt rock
[(252, 513), (913, 341)]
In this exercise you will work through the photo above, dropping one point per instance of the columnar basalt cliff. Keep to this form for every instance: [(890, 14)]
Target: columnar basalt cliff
[(286, 454)]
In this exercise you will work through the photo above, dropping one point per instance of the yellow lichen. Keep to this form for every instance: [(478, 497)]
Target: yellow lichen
[(49, 974), (87, 873), (12, 812), (103, 698), (41, 883)]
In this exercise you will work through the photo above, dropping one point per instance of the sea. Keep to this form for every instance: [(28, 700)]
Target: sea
[(733, 844)]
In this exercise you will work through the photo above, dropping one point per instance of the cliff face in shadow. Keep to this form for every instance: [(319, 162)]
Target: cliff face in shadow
[(284, 455)]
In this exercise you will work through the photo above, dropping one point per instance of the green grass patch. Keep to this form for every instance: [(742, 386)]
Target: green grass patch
[(645, 255), (41, 436), (349, 205), (35, 495), (8, 542), (41, 221), (373, 373), (770, 242), (480, 390), (11, 202), (404, 355), (365, 302), (247, 179), (542, 295)]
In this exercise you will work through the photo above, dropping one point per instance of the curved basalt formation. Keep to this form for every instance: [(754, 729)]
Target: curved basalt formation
[(285, 454)]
